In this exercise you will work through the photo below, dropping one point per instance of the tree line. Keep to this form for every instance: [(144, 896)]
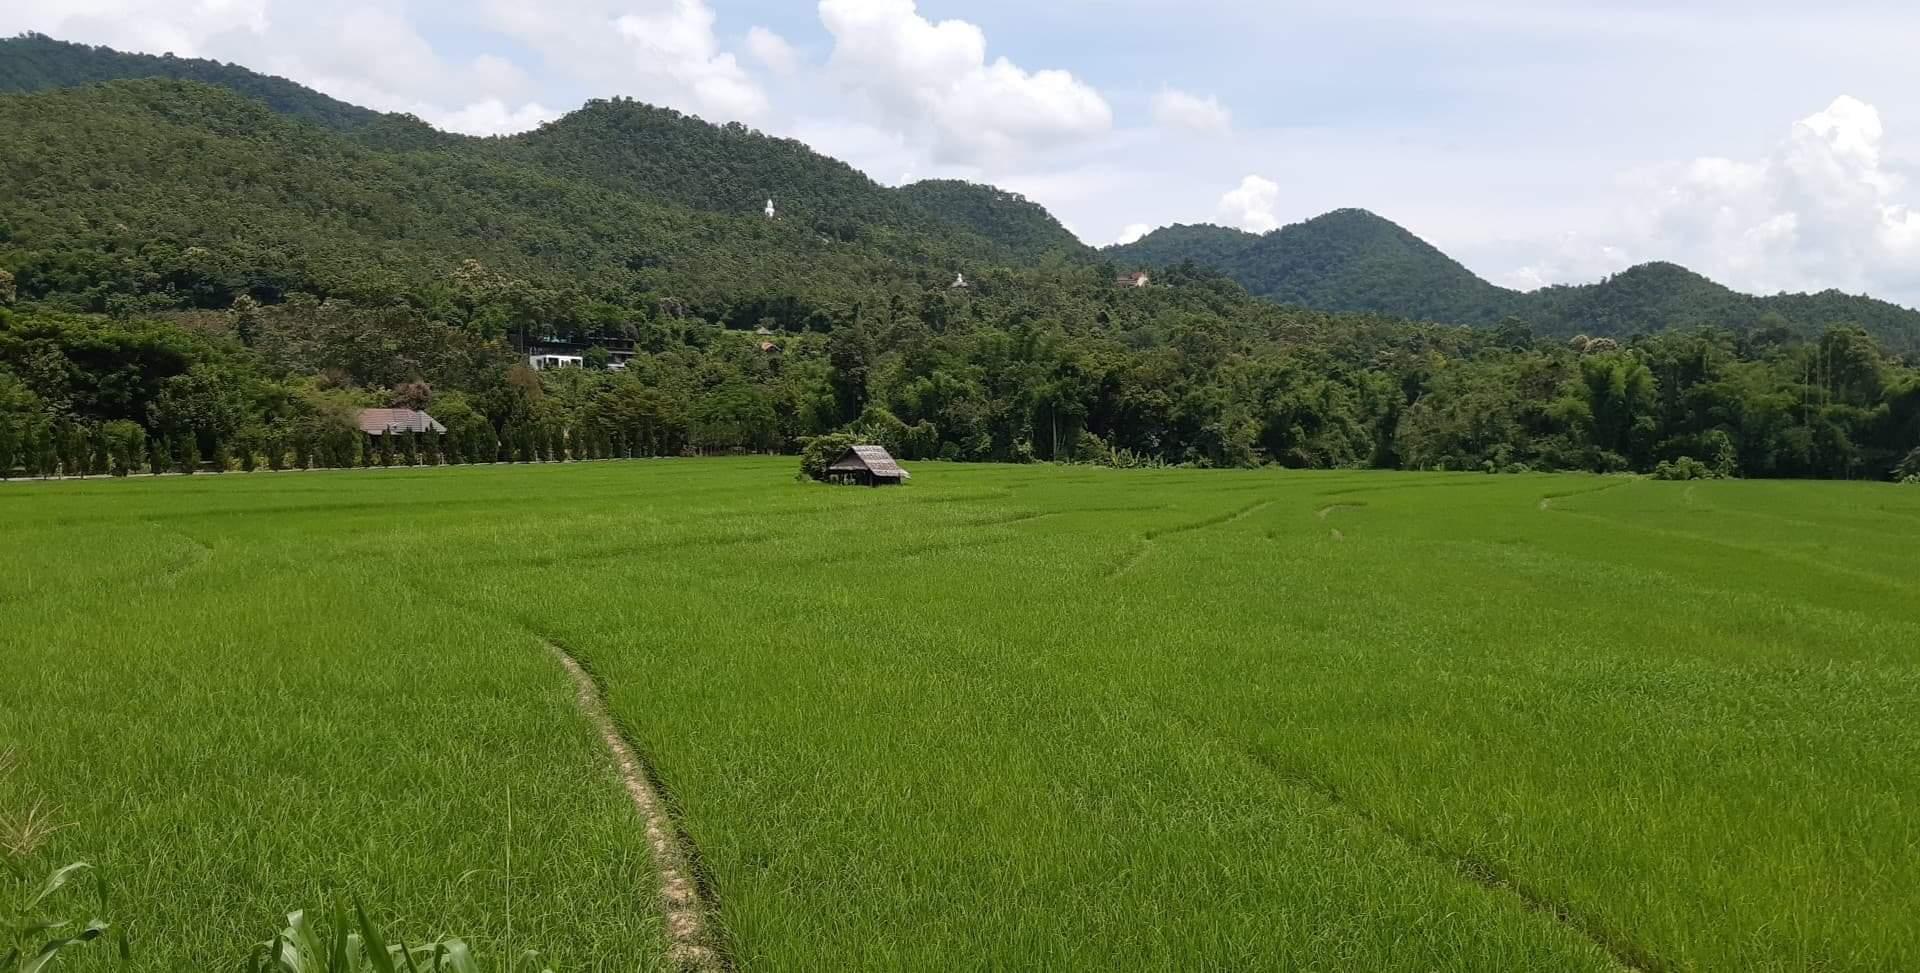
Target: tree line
[(1053, 364)]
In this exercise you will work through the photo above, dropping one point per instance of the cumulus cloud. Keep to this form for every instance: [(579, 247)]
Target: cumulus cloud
[(1251, 206), (1823, 210), (1574, 258), (493, 117), (154, 26), (375, 58), (1133, 233), (364, 54), (659, 51), (1180, 110), (933, 80), (674, 44), (772, 50)]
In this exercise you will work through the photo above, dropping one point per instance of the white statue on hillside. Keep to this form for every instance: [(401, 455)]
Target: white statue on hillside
[(771, 213)]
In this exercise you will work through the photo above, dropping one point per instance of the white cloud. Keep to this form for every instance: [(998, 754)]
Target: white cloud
[(152, 26), (1251, 206), (873, 150), (934, 81), (1823, 210), (362, 54), (493, 117), (1573, 259), (659, 51), (773, 51), (675, 45), (1180, 110), (1133, 233)]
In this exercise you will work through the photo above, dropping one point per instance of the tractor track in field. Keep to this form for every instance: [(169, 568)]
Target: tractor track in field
[(198, 553), (1140, 549), (1629, 956), (1146, 541), (1867, 577), (693, 945), (685, 896), (1546, 502)]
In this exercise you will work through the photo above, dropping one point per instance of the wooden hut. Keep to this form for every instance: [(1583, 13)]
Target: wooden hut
[(866, 466)]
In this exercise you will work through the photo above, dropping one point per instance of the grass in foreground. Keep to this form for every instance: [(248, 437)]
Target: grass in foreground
[(1006, 717)]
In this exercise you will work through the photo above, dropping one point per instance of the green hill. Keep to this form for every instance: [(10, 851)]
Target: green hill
[(254, 274), (170, 193), (622, 194), (663, 155), (621, 145), (1352, 260), (1215, 247), (1347, 260), (1664, 296), (36, 62), (1012, 221)]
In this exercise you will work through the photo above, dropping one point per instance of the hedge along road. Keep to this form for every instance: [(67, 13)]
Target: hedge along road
[(923, 728)]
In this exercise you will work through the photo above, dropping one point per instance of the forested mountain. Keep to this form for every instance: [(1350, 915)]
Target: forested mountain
[(157, 194), (1346, 260), (1353, 260), (660, 154), (1215, 247), (645, 152), (191, 278), (1664, 296), (36, 62), (1023, 227)]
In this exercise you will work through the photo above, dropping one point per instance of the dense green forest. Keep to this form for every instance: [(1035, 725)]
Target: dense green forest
[(1062, 367), (1023, 227), (1352, 260), (35, 62), (196, 275), (1347, 260), (619, 145)]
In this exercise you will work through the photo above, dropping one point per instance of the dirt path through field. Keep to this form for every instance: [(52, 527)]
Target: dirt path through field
[(689, 936)]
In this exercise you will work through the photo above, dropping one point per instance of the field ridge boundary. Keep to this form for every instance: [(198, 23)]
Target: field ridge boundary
[(1630, 957), (692, 946)]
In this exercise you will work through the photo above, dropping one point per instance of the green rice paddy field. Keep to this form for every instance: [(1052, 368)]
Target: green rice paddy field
[(1007, 717)]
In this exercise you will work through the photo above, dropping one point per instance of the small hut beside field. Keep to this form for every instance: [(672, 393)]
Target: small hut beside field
[(866, 466), (393, 422)]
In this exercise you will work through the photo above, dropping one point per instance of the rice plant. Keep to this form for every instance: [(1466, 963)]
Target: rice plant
[(36, 937), (1330, 721), (357, 946)]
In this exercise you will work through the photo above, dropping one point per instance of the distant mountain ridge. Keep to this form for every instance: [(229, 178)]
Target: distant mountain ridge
[(1353, 260), (36, 62), (674, 166), (620, 145), (1007, 218)]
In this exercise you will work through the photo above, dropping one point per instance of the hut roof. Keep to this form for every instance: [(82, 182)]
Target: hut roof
[(379, 422), (873, 459)]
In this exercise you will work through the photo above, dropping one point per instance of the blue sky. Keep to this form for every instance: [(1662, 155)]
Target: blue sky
[(1770, 144)]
